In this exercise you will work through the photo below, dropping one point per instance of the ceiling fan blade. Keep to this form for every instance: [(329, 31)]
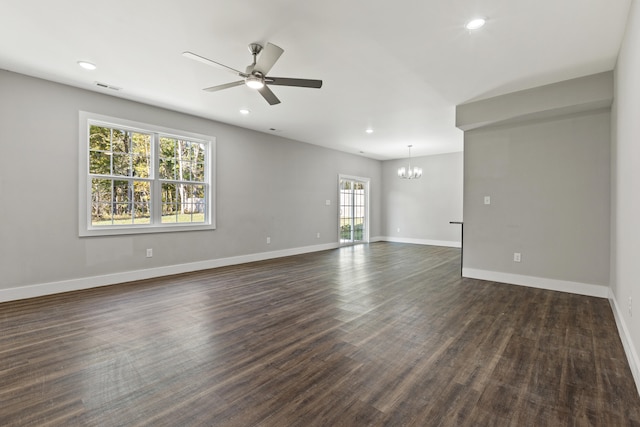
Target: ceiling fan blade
[(224, 86), (284, 81), (207, 61), (269, 96), (268, 57)]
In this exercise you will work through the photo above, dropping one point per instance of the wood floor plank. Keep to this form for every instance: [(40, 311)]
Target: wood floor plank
[(383, 334)]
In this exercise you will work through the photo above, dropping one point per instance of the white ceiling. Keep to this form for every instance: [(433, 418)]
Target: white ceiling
[(399, 67)]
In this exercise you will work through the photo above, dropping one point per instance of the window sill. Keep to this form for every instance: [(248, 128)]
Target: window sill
[(124, 230)]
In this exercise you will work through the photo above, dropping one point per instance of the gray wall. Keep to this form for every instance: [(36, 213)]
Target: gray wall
[(549, 187), (422, 208), (266, 186), (625, 201)]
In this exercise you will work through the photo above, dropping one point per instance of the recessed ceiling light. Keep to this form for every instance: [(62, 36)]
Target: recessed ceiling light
[(244, 111), (87, 65), (476, 23), (369, 131)]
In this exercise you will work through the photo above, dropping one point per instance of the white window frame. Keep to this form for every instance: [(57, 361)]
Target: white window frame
[(85, 228)]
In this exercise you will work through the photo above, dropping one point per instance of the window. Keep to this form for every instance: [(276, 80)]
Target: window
[(139, 178)]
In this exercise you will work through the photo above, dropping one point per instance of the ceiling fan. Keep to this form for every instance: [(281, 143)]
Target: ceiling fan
[(255, 75)]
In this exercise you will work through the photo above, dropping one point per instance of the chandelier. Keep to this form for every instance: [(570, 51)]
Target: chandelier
[(411, 173)]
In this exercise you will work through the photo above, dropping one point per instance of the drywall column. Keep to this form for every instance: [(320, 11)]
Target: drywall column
[(536, 183), (625, 226)]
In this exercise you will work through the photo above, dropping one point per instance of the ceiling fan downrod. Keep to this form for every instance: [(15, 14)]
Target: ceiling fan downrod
[(255, 49)]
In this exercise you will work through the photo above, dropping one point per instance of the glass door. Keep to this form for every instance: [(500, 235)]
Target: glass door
[(353, 221)]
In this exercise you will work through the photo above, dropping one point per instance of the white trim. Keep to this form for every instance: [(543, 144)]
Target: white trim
[(600, 291), (42, 289), (367, 181), (429, 242), (627, 342)]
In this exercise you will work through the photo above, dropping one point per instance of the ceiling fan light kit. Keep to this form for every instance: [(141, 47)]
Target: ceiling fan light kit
[(255, 75), (254, 81)]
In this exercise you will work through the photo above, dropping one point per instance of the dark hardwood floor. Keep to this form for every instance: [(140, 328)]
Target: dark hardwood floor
[(381, 334)]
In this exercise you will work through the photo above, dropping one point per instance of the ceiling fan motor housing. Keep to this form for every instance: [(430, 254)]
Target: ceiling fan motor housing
[(255, 48)]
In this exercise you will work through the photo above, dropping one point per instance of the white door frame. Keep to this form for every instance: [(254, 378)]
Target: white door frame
[(366, 182)]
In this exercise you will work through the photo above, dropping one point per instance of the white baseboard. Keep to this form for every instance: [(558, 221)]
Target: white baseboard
[(41, 289), (538, 282), (446, 243), (627, 342)]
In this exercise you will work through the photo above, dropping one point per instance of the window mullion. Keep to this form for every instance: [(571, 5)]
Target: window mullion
[(156, 186)]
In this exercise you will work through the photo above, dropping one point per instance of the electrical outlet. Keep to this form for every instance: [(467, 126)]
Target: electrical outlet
[(630, 307), (516, 257), (318, 235), (149, 253), (268, 240), (398, 229), (327, 202), (487, 200)]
